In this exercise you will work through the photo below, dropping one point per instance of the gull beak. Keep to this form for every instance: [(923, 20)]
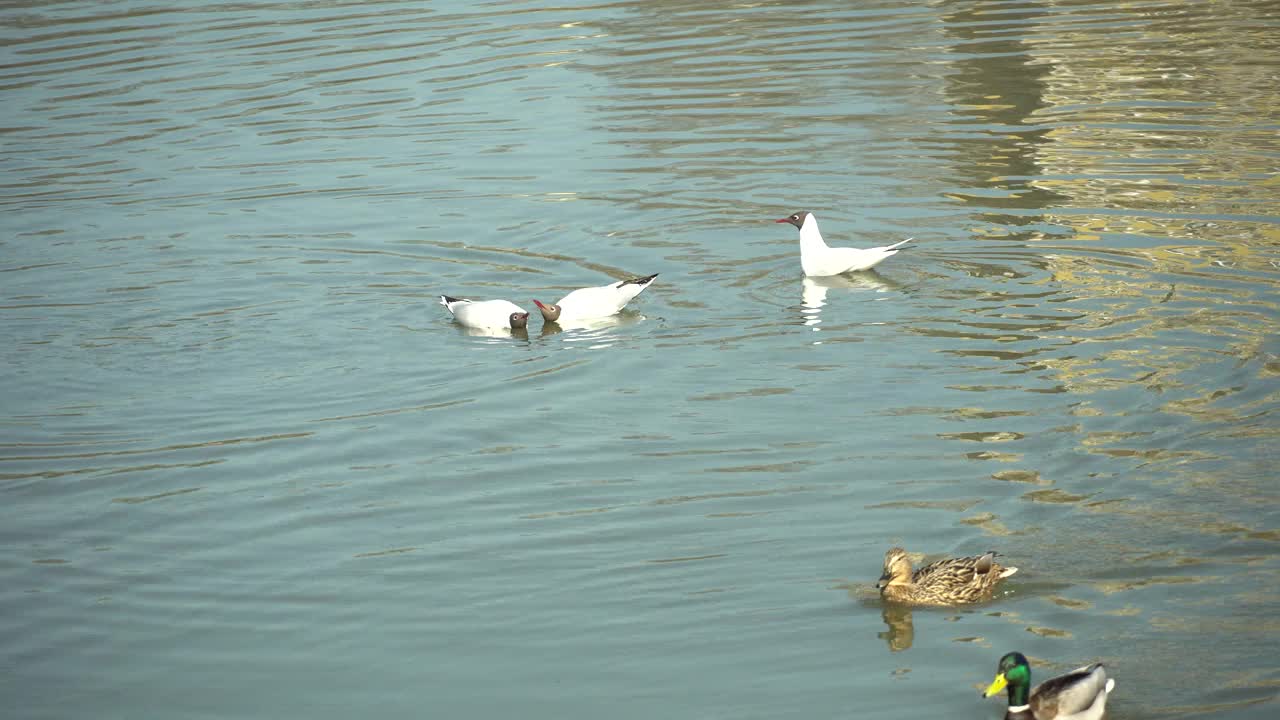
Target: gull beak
[(996, 686), (540, 305), (783, 220)]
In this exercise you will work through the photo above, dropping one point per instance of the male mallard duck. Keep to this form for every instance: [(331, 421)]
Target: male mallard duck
[(1079, 695), (954, 581)]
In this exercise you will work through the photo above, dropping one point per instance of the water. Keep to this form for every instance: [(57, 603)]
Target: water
[(250, 469)]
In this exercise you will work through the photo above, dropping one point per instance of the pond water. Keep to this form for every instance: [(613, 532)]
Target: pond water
[(250, 468)]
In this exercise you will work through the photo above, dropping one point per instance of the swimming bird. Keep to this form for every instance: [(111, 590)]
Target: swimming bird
[(819, 260), (954, 581), (1079, 695), (486, 313), (595, 302)]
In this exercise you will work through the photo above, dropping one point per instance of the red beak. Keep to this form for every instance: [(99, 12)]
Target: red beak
[(783, 220), (540, 305)]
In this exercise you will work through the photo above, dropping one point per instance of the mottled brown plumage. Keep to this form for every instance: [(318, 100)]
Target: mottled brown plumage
[(955, 581)]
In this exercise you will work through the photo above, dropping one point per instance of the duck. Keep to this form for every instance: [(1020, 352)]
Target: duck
[(487, 314), (818, 259), (1079, 695), (594, 302), (954, 581)]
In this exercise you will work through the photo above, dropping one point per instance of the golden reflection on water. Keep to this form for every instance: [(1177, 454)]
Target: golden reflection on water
[(1146, 170)]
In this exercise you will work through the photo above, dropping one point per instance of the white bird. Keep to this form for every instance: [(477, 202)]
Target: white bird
[(820, 260), (487, 313), (594, 302)]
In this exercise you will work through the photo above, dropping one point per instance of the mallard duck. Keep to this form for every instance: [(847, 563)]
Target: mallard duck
[(1079, 695), (953, 581)]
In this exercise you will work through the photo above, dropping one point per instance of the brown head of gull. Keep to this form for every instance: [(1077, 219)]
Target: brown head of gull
[(550, 313)]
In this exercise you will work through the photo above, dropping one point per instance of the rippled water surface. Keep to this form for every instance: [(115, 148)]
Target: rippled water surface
[(249, 468)]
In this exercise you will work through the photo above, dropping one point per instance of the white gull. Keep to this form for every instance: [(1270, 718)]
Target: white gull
[(486, 313), (594, 302), (820, 260)]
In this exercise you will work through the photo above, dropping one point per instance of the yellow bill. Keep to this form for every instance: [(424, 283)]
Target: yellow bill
[(996, 685)]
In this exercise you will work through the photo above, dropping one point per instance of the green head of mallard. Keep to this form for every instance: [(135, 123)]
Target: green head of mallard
[(1014, 672)]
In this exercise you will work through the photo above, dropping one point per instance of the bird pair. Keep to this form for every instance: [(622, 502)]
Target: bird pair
[(1079, 695), (582, 304)]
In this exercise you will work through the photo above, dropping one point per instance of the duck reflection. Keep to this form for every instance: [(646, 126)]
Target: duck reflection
[(901, 631), (813, 290)]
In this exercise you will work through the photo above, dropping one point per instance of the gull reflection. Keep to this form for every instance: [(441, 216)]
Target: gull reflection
[(599, 331), (813, 292), (495, 332)]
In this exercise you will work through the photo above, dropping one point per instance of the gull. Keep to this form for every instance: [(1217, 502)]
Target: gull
[(820, 260), (594, 302), (486, 313)]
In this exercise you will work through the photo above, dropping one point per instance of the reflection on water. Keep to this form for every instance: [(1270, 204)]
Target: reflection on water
[(594, 328), (993, 88), (521, 333), (901, 630), (813, 290), (596, 334)]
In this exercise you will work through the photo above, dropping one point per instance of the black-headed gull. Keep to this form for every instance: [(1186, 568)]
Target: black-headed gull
[(486, 313), (594, 302), (820, 260)]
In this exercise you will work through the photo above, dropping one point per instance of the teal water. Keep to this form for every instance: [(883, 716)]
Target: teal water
[(249, 468)]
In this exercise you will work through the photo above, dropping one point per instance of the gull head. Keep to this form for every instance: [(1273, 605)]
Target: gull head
[(550, 313), (798, 219)]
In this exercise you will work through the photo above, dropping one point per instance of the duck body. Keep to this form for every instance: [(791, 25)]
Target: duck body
[(1078, 695), (954, 581), (818, 259), (487, 314), (595, 302)]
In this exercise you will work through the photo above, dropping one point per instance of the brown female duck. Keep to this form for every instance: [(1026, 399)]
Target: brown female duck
[(954, 581)]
